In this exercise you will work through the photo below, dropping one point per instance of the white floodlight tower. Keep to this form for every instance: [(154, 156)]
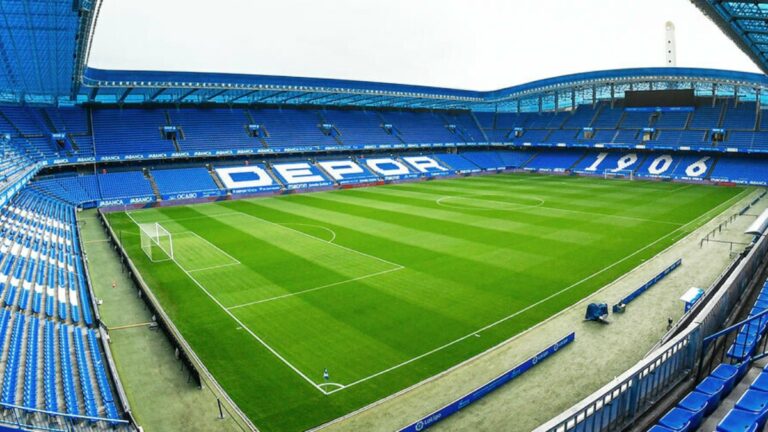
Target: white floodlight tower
[(671, 50)]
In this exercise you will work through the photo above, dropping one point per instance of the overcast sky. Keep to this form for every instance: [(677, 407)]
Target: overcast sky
[(470, 44)]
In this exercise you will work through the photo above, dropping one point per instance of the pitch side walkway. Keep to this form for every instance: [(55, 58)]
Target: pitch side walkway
[(160, 396), (600, 353)]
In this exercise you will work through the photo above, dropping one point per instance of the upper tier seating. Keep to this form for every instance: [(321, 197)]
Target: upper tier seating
[(635, 120), (129, 131), (360, 127), (706, 116), (291, 127), (740, 117), (420, 127), (212, 129), (133, 131), (608, 118), (72, 120), (671, 120), (580, 118)]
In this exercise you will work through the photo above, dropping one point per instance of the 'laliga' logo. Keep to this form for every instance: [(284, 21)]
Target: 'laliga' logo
[(420, 425), (535, 359)]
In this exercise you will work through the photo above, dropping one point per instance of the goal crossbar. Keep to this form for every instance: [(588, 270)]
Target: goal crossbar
[(156, 242)]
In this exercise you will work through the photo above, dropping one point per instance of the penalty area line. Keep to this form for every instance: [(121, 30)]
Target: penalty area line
[(244, 327), (214, 267), (315, 288)]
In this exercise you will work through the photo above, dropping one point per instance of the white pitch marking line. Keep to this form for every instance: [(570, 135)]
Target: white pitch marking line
[(319, 239), (214, 267), (493, 324), (340, 386), (243, 326), (315, 289), (333, 233), (512, 206), (216, 247)]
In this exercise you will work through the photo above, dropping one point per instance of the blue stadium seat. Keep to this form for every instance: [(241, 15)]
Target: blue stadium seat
[(754, 401), (728, 374), (712, 387), (761, 382), (171, 181), (680, 420), (739, 421), (698, 402)]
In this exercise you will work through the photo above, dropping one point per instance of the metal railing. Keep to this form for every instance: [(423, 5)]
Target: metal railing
[(197, 370), (618, 404)]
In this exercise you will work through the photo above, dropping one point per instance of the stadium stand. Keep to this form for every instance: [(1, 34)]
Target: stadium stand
[(40, 256), (749, 411), (459, 163), (129, 131), (171, 181), (212, 129), (102, 138), (124, 184)]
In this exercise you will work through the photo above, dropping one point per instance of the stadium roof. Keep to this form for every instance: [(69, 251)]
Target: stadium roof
[(44, 48), (43, 45), (130, 87), (745, 22)]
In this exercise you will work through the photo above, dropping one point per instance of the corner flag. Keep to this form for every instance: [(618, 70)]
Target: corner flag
[(326, 376)]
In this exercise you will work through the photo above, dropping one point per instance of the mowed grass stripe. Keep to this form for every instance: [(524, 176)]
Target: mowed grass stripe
[(447, 291), (655, 203), (473, 205), (311, 350), (534, 250)]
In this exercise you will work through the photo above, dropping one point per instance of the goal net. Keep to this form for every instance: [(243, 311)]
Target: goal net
[(627, 174), (156, 242)]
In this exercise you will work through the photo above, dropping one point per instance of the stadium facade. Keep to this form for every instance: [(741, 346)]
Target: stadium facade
[(76, 137)]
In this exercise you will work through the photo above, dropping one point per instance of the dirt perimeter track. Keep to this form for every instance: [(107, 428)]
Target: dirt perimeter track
[(599, 354)]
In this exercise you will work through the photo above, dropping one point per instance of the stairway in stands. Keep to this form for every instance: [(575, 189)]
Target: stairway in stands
[(152, 183), (215, 177)]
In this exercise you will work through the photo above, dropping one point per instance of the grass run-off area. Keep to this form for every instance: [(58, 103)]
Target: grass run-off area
[(386, 286)]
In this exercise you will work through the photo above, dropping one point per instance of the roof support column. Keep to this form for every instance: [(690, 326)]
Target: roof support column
[(594, 96), (573, 99), (613, 93)]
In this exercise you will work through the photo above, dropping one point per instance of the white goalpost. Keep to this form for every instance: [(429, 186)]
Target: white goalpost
[(614, 173), (156, 242)]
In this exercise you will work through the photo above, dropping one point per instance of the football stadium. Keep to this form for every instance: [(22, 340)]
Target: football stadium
[(214, 251)]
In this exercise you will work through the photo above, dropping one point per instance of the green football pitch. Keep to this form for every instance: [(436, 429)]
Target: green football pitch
[(386, 286)]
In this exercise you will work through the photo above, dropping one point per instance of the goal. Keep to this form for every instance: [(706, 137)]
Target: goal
[(612, 173), (156, 242)]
